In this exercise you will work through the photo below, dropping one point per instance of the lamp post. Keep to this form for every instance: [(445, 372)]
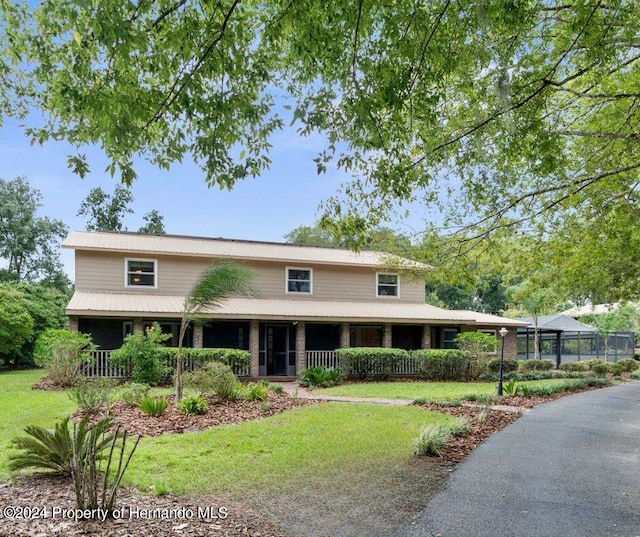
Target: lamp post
[(503, 332)]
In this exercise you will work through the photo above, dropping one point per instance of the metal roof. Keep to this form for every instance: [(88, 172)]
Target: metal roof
[(558, 323), (134, 304), (232, 249)]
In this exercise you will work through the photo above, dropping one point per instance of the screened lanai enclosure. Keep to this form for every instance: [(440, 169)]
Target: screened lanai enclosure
[(563, 339)]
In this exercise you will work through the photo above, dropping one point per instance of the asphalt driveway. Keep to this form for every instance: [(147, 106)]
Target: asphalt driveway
[(568, 468)]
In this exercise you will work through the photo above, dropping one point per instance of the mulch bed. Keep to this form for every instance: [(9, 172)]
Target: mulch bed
[(136, 422)]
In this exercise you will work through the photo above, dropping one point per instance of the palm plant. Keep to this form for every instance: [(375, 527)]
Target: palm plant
[(52, 449), (215, 285)]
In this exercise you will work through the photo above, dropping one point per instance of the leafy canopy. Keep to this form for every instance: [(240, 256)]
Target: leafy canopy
[(500, 112)]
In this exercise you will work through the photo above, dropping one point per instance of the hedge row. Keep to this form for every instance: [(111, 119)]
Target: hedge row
[(379, 362)]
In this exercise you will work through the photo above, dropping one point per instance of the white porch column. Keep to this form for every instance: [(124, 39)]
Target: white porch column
[(138, 326)]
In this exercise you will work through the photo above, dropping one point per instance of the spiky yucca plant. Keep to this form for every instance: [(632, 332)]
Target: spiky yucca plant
[(52, 449)]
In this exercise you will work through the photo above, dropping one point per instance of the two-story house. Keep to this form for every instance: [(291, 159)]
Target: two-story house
[(311, 300)]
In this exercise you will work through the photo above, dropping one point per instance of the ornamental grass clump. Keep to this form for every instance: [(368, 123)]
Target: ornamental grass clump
[(153, 406), (432, 440), (195, 405)]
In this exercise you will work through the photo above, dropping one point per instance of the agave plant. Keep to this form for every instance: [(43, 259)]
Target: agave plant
[(52, 449)]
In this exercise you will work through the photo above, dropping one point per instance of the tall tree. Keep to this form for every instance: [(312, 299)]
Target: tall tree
[(154, 223), (216, 284), (28, 243), (104, 212), (525, 109)]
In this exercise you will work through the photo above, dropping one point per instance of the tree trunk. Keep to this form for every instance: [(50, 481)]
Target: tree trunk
[(178, 377)]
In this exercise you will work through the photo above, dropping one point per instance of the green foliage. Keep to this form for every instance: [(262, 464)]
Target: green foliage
[(432, 440), (628, 365), (217, 283), (133, 392), (360, 362), (574, 366), (143, 354), (217, 379), (91, 394), (459, 426), (62, 353), (524, 366), (320, 377), (91, 471), (46, 306), (600, 369), (257, 391), (154, 224), (510, 387), (16, 325), (195, 405), (635, 375), (477, 344), (482, 398), (153, 406), (237, 359), (508, 365), (28, 243), (276, 388), (104, 212), (443, 364), (54, 449)]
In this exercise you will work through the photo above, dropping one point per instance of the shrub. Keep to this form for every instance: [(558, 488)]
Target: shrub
[(238, 360), (432, 440), (217, 379), (525, 366), (193, 406), (133, 392), (628, 365), (153, 406), (143, 353), (62, 353), (593, 362), (508, 365), (442, 364), (635, 374), (481, 398), (574, 366), (600, 369), (91, 394), (276, 388), (360, 362), (616, 368), (256, 392), (266, 407), (320, 377)]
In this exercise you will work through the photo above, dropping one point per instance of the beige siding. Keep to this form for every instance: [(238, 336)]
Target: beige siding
[(105, 272)]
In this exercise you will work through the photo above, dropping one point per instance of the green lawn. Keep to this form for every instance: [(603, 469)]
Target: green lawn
[(419, 390), (20, 406), (339, 443)]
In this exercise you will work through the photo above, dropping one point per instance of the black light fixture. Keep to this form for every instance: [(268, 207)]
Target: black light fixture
[(503, 332)]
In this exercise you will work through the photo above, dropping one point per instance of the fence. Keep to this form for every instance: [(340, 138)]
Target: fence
[(329, 359), (101, 366)]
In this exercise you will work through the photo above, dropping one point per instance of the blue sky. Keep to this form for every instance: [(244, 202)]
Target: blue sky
[(284, 197)]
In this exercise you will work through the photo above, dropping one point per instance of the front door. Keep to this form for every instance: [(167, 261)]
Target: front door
[(277, 349)]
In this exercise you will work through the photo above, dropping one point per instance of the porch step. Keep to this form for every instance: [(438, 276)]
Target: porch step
[(272, 378)]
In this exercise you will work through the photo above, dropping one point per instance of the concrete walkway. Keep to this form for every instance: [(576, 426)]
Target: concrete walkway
[(293, 388), (568, 468)]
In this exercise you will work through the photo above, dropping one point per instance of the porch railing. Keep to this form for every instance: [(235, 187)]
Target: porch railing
[(329, 359), (102, 366)]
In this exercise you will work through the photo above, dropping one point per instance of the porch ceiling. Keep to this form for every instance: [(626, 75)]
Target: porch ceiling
[(85, 303)]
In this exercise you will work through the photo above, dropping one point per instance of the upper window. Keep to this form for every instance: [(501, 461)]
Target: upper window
[(299, 280), (388, 285), (141, 272)]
